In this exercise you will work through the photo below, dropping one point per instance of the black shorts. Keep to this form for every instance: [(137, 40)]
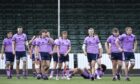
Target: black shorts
[(20, 54), (116, 56), (33, 57), (129, 56), (63, 58), (9, 56), (45, 56), (55, 57), (91, 57)]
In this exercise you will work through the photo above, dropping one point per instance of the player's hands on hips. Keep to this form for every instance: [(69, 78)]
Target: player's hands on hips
[(14, 52), (65, 54), (121, 50), (134, 50)]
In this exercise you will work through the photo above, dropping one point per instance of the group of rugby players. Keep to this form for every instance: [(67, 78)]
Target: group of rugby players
[(42, 48)]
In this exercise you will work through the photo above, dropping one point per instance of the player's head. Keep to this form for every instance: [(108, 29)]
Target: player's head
[(128, 30), (91, 31), (9, 34), (103, 67), (64, 34), (115, 31), (19, 30), (43, 32)]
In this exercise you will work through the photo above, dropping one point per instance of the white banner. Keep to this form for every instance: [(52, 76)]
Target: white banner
[(81, 59)]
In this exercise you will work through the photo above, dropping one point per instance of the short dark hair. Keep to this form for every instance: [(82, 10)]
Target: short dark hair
[(43, 31), (103, 67), (9, 32), (20, 27), (115, 30), (91, 28), (64, 32), (128, 28)]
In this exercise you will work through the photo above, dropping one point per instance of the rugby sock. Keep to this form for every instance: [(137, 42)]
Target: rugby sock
[(58, 72), (24, 73), (11, 71), (119, 70), (52, 72), (67, 72), (98, 72), (8, 72), (63, 73)]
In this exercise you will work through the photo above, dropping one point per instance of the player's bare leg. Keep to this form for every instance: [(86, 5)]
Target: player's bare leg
[(43, 69), (38, 68), (33, 68), (119, 62), (58, 71), (7, 69), (24, 69), (114, 69), (17, 69), (54, 68), (93, 69)]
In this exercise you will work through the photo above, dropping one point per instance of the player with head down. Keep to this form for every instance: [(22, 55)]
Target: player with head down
[(114, 54), (42, 49), (128, 47), (63, 49)]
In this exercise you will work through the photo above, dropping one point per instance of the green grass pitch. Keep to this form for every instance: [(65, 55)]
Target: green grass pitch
[(74, 80)]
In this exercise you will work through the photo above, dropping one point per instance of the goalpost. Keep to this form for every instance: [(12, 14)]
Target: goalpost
[(58, 18)]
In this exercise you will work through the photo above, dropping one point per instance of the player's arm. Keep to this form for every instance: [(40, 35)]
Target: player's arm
[(13, 47), (51, 41), (30, 51), (84, 49), (58, 50), (135, 45), (30, 42), (118, 45), (26, 42), (2, 51), (100, 49), (107, 47), (27, 45), (68, 51), (36, 51)]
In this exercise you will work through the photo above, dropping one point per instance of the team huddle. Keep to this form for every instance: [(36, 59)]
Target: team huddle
[(42, 48)]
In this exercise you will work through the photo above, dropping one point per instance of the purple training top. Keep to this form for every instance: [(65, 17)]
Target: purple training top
[(63, 44), (111, 39), (55, 44), (92, 44), (44, 44), (20, 40), (127, 42), (7, 42)]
